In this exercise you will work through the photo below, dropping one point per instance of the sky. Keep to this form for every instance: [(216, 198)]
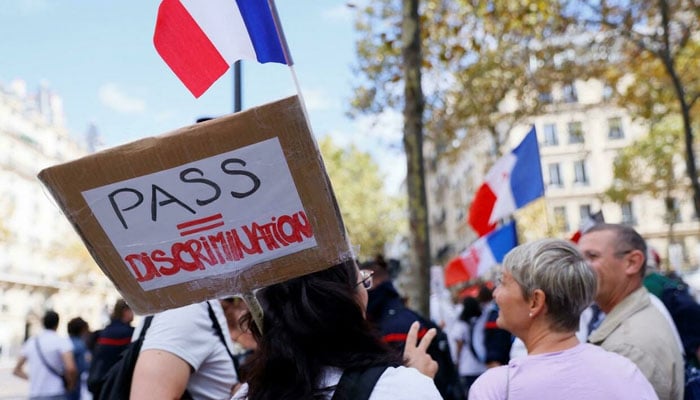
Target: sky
[(98, 56)]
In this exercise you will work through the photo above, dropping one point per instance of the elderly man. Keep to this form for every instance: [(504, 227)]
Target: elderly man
[(633, 327)]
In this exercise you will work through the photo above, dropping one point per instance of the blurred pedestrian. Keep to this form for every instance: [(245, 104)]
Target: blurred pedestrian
[(469, 335), (389, 313), (110, 342), (52, 371), (545, 286), (78, 330), (633, 326)]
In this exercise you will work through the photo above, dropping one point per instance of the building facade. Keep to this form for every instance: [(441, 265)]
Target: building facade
[(579, 135), (43, 264)]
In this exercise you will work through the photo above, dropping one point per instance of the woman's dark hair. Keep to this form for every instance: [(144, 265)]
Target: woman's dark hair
[(309, 323), (77, 326), (471, 308)]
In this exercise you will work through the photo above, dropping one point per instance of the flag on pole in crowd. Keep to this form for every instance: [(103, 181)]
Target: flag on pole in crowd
[(586, 224), (514, 181), (481, 255), (200, 40)]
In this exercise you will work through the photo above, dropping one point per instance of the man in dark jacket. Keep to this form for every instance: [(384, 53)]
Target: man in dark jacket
[(388, 312), (110, 342)]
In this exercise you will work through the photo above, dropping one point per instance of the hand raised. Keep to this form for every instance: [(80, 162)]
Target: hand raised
[(416, 354)]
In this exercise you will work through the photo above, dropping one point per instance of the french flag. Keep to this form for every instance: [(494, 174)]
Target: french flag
[(201, 39), (514, 181), (481, 255)]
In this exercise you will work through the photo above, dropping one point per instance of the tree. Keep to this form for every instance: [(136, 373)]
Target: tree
[(655, 33), (371, 215), (414, 105), (485, 73), (650, 166)]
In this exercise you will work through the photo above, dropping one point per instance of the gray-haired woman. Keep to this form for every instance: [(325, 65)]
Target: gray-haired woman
[(545, 286)]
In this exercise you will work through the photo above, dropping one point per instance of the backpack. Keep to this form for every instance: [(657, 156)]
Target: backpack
[(116, 384), (685, 312), (358, 384)]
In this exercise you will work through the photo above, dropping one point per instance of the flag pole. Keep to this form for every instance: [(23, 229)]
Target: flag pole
[(237, 89), (288, 58)]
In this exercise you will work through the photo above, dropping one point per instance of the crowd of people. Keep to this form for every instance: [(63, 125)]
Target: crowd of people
[(587, 320)]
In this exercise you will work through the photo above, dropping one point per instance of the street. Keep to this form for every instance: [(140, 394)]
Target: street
[(12, 387)]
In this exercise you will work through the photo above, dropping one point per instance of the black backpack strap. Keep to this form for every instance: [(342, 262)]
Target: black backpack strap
[(220, 334), (358, 384)]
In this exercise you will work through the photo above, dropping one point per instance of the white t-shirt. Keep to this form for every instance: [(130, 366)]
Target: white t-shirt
[(467, 363), (395, 383), (42, 382), (187, 332)]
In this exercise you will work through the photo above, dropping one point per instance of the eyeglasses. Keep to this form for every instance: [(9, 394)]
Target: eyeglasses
[(365, 279), (623, 253)]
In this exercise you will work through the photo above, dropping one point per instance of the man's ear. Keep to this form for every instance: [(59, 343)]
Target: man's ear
[(634, 262)]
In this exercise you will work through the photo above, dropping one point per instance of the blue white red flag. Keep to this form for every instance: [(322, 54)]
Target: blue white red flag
[(481, 255), (514, 181), (200, 40)]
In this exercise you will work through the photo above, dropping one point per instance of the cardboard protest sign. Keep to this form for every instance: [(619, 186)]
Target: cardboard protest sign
[(210, 210)]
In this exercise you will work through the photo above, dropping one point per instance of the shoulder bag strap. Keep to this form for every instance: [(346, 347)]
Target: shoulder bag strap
[(43, 360), (358, 384), (146, 325), (472, 325), (220, 334)]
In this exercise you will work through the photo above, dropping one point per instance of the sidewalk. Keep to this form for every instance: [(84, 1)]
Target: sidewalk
[(11, 387)]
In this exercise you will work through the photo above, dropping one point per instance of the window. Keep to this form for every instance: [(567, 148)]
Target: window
[(627, 214), (569, 93), (550, 135), (615, 128), (584, 211), (554, 175), (607, 92), (560, 219), (546, 97), (580, 175), (575, 130), (673, 211)]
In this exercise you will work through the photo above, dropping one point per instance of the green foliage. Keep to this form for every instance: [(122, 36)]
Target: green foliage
[(372, 217), (652, 165), (657, 41), (485, 64)]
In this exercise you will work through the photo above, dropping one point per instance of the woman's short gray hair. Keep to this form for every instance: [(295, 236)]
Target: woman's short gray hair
[(557, 268)]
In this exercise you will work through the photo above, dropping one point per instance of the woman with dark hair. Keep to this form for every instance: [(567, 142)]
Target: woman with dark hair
[(314, 330)]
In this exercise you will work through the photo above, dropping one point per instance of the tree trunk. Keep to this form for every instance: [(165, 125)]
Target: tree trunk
[(419, 257), (667, 59), (688, 135)]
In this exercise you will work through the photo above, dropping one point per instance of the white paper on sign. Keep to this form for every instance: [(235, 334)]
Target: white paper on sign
[(205, 218)]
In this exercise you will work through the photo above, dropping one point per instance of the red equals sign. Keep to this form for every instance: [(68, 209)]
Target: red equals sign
[(200, 225)]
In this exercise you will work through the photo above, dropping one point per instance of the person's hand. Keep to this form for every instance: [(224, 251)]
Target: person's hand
[(415, 353)]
